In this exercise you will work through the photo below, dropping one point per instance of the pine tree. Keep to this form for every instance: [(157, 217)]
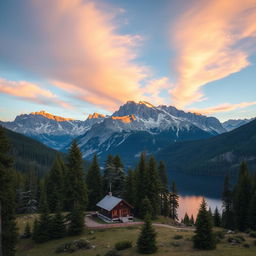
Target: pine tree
[(165, 204), (192, 221), (186, 220), (153, 186), (146, 208), (57, 227), (141, 177), (216, 218), (174, 202), (44, 223), (94, 184), (252, 212), (130, 188), (8, 229), (75, 186), (204, 238), (76, 218), (55, 184), (146, 242), (164, 195), (242, 198), (119, 177), (227, 205), (27, 231), (107, 175)]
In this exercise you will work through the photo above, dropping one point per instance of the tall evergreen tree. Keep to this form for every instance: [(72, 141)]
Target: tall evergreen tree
[(55, 185), (204, 238), (242, 198), (8, 230), (227, 205), (130, 188), (76, 221), (44, 223), (174, 202), (164, 194), (146, 208), (146, 242), (57, 227), (75, 186), (153, 186), (186, 220), (141, 176), (107, 175), (192, 221), (114, 176), (94, 184), (216, 218)]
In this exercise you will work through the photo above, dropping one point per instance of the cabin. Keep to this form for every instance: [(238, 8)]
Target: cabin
[(114, 209)]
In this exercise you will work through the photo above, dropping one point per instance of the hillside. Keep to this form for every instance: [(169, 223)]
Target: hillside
[(214, 155), (29, 153)]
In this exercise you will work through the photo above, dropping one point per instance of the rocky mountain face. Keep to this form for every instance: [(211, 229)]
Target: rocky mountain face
[(134, 128), (235, 123), (54, 131), (138, 127)]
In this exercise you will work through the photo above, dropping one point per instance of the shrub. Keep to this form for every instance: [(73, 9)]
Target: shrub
[(246, 245), (236, 239), (123, 245), (252, 234), (63, 248), (82, 244), (178, 237), (112, 253)]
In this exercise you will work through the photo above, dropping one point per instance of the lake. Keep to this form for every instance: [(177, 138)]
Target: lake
[(192, 189)]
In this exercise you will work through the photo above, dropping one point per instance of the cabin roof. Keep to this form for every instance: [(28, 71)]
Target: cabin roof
[(109, 202)]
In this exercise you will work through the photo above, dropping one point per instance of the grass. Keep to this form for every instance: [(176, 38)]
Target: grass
[(105, 240)]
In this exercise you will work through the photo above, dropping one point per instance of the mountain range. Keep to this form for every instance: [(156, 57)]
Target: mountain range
[(132, 129), (213, 156)]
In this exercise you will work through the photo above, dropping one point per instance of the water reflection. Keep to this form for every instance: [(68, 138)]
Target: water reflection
[(191, 204)]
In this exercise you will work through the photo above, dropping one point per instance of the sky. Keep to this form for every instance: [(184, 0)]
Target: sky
[(73, 58)]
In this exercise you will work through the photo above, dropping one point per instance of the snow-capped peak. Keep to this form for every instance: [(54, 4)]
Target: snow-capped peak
[(50, 116), (95, 116)]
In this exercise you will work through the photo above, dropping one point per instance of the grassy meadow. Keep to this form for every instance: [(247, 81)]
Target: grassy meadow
[(104, 240)]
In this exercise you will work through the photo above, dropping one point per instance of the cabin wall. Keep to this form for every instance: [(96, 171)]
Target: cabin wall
[(121, 210)]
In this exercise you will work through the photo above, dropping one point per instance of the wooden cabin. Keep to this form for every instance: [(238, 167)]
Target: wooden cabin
[(113, 209)]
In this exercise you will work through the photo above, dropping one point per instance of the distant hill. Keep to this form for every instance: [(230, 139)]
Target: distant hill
[(214, 155), (29, 153)]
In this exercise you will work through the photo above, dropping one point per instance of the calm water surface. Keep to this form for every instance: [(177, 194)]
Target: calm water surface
[(192, 189)]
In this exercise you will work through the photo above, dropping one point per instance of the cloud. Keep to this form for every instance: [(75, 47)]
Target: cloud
[(152, 91), (31, 92), (225, 107), (213, 40), (76, 45)]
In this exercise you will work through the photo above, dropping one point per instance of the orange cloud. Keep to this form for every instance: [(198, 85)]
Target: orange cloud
[(80, 49), (212, 41), (30, 91), (223, 108)]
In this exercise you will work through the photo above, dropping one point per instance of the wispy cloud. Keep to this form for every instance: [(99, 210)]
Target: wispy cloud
[(30, 91), (76, 45), (225, 107), (213, 40)]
